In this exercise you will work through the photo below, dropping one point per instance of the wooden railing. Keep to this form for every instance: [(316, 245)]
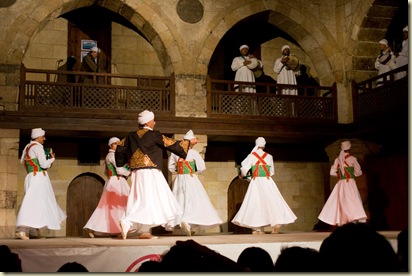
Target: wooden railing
[(313, 103), (54, 90), (370, 99)]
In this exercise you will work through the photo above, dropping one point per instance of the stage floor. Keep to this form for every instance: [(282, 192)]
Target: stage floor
[(106, 254)]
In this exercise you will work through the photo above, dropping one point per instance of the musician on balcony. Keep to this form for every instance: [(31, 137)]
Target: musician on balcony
[(287, 67), (89, 64), (244, 66), (385, 61), (402, 58)]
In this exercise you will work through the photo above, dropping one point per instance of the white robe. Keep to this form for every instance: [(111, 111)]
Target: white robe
[(384, 68), (402, 59), (39, 207), (285, 76), (263, 204), (243, 73), (112, 203), (190, 194)]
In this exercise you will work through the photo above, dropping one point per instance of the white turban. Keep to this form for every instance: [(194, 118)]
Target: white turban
[(259, 143), (405, 29), (384, 42), (345, 145), (113, 140), (284, 47), (95, 49), (37, 132), (145, 116), (243, 46), (189, 135)]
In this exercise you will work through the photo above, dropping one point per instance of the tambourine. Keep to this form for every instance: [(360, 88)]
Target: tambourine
[(253, 63), (293, 63)]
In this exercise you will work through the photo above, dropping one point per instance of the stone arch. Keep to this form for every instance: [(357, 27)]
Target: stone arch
[(158, 34), (299, 24), (370, 24)]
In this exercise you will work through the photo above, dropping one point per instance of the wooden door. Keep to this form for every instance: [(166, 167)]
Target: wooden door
[(83, 195), (235, 194)]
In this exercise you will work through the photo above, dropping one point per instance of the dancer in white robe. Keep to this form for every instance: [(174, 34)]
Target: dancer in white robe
[(39, 207), (263, 204), (112, 204), (189, 191)]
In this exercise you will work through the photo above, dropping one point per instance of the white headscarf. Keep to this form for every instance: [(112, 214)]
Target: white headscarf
[(189, 135), (37, 132), (345, 145), (113, 140), (260, 142), (405, 29), (145, 116)]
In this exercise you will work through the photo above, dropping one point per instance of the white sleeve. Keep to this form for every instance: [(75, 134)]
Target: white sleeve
[(171, 164), (237, 63), (200, 163), (334, 168), (246, 165), (278, 66), (38, 152)]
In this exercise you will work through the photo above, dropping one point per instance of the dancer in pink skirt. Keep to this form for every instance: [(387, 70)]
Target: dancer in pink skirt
[(344, 204)]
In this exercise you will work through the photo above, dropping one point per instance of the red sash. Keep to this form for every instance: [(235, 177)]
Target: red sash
[(261, 162)]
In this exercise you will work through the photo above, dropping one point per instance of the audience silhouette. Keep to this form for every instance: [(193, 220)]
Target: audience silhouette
[(298, 259), (255, 259), (403, 250), (9, 261), (356, 247), (72, 267)]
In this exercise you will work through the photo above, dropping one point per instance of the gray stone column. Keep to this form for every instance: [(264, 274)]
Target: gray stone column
[(359, 149)]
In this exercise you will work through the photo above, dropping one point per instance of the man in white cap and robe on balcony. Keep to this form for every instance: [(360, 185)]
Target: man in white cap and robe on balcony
[(240, 65), (385, 61), (402, 58), (39, 207), (263, 204), (151, 202)]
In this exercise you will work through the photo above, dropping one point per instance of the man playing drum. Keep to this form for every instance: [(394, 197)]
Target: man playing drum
[(243, 66), (385, 61), (286, 67)]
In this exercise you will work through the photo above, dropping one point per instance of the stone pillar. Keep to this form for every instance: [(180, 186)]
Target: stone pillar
[(359, 149), (9, 165)]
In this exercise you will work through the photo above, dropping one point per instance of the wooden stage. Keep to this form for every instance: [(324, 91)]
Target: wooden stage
[(106, 254)]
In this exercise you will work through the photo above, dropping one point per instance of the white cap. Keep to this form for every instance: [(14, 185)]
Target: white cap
[(113, 140), (189, 135), (405, 29), (260, 142), (284, 47), (383, 41), (37, 132), (95, 49), (145, 116), (243, 46), (345, 145)]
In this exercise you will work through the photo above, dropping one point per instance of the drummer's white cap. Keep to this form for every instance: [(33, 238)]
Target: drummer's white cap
[(405, 29), (345, 145), (95, 49), (113, 140), (37, 132), (284, 47), (383, 41), (243, 46), (145, 116), (189, 135)]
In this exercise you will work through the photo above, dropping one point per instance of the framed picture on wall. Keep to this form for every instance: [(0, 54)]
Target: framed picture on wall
[(87, 44)]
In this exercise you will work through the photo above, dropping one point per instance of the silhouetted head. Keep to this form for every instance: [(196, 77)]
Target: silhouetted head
[(255, 259)]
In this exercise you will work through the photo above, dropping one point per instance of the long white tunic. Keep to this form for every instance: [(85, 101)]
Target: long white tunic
[(112, 203), (190, 194), (403, 58), (344, 203), (384, 67), (243, 73), (39, 207), (263, 204), (285, 76)]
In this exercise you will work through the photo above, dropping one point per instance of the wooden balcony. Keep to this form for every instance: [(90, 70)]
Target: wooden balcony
[(108, 105)]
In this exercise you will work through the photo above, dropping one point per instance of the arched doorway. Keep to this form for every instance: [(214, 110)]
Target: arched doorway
[(83, 195), (235, 194)]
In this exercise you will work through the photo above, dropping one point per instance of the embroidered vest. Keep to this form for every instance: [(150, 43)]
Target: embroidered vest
[(349, 173), (185, 167), (260, 169), (110, 170), (32, 164)]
